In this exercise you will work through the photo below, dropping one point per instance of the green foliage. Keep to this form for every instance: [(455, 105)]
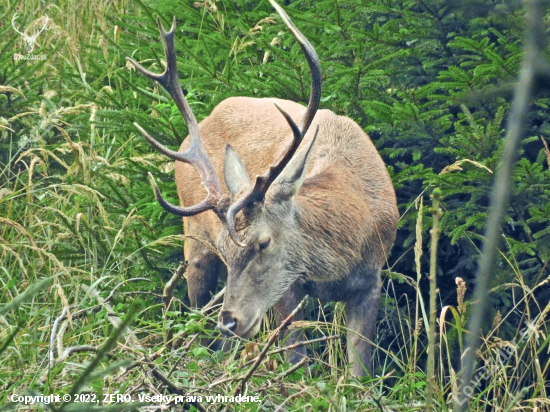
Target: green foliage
[(429, 81)]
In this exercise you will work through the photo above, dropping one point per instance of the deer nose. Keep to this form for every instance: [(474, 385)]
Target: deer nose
[(227, 323)]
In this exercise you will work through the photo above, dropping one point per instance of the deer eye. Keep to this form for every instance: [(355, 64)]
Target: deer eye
[(264, 243)]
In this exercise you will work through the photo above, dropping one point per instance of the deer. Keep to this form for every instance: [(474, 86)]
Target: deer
[(318, 218), (29, 40)]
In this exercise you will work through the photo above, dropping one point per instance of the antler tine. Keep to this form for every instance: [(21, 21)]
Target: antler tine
[(35, 33), (314, 67), (263, 182), (177, 210), (13, 23), (44, 26), (195, 154)]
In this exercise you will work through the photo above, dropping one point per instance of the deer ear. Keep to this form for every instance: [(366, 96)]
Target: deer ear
[(234, 172), (294, 174)]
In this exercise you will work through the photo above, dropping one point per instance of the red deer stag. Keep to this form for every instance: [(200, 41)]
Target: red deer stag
[(319, 220)]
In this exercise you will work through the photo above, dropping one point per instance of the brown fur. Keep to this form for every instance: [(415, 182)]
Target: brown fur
[(336, 231)]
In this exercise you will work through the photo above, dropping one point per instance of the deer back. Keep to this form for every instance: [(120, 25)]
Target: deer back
[(347, 193)]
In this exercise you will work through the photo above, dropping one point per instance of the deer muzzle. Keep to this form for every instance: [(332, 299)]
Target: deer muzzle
[(230, 324)]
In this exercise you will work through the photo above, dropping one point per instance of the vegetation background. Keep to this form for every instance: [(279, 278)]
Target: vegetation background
[(84, 245)]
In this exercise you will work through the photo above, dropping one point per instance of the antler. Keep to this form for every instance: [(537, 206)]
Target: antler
[(263, 182), (43, 27), (195, 155), (13, 23), (34, 35)]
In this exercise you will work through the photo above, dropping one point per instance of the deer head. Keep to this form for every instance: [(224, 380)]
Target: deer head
[(29, 40)]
